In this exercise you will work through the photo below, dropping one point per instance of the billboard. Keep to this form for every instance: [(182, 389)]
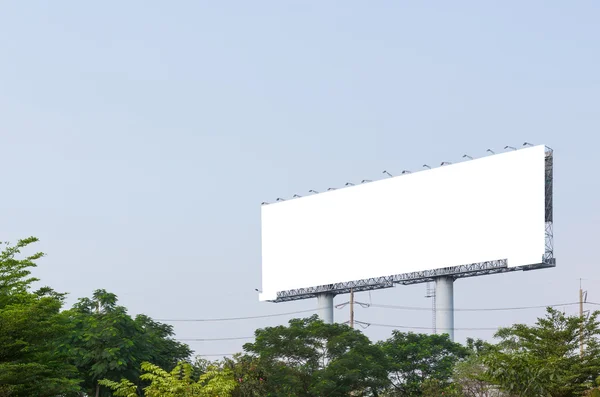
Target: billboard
[(480, 210)]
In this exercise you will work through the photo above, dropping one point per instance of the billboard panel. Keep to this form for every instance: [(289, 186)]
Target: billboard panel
[(487, 209)]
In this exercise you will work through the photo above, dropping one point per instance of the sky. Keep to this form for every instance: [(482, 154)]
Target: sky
[(139, 139)]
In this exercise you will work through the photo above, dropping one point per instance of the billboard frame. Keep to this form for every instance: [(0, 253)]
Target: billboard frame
[(456, 272)]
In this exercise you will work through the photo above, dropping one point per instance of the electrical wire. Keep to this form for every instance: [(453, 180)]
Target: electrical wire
[(364, 324), (474, 309), (214, 339), (234, 318), (429, 328), (378, 306), (216, 355)]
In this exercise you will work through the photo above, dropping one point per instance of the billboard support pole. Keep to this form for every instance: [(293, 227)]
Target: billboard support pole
[(325, 305), (444, 306)]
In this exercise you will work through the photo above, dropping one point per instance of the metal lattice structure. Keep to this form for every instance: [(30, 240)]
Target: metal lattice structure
[(462, 271), (430, 293)]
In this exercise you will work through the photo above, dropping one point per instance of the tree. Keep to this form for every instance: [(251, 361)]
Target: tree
[(155, 344), (595, 392), (417, 358), (214, 382), (469, 377), (437, 388), (310, 358), (469, 373), (33, 361), (543, 359), (248, 372), (108, 344)]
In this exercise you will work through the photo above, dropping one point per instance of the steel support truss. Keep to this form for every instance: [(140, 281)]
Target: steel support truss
[(462, 271)]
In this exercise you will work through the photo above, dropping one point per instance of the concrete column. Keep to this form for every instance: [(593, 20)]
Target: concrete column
[(444, 306), (325, 305)]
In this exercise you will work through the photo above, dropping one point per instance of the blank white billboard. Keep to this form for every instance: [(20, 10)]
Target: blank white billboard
[(474, 211)]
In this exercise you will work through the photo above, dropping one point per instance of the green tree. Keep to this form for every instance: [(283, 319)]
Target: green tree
[(418, 358), (437, 388), (154, 343), (469, 373), (33, 360), (544, 359), (108, 344), (310, 358), (469, 377), (248, 372), (180, 382)]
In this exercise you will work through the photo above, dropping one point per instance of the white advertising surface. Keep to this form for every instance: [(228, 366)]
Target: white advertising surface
[(474, 211)]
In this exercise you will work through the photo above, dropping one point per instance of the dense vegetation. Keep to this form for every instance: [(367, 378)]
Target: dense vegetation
[(96, 349)]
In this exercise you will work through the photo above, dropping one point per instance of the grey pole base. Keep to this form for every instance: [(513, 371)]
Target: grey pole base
[(444, 306), (325, 306)]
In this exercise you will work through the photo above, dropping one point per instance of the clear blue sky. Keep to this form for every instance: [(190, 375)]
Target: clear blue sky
[(139, 138)]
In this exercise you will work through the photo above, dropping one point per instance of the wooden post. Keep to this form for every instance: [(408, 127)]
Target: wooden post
[(581, 318)]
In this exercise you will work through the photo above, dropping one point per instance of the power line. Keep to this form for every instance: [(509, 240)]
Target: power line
[(367, 324), (428, 328), (373, 305), (214, 339), (356, 321), (474, 309), (216, 355), (363, 323), (234, 318)]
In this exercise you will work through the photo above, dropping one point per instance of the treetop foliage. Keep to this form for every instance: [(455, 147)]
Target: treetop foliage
[(97, 349)]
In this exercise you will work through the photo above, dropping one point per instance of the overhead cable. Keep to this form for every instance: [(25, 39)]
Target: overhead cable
[(428, 328), (365, 324), (474, 309), (374, 305), (234, 318), (214, 339), (216, 355)]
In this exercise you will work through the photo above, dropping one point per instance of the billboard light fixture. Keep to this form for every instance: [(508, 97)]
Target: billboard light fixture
[(404, 172)]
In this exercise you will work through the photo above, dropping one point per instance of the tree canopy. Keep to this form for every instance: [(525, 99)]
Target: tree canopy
[(48, 351), (416, 360), (544, 359), (180, 382), (310, 358), (33, 358), (108, 344), (97, 349)]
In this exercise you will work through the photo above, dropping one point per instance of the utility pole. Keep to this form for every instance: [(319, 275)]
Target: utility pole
[(581, 319), (351, 308)]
